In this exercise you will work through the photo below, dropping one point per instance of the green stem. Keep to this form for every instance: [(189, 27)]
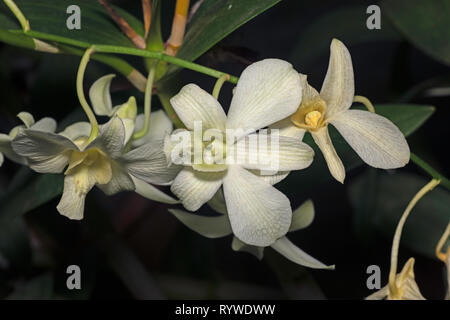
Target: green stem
[(218, 85), (147, 104), (80, 92), (18, 14), (163, 57), (430, 170)]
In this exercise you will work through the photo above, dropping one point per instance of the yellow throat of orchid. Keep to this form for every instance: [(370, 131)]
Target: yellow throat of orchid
[(88, 168), (310, 115)]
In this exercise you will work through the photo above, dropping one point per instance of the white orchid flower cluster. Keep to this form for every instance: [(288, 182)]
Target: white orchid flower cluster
[(271, 109)]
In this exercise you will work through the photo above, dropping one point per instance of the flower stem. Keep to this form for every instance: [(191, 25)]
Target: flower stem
[(366, 102), (18, 14), (147, 104), (441, 255), (80, 92), (218, 85), (164, 57), (398, 232), (430, 170)]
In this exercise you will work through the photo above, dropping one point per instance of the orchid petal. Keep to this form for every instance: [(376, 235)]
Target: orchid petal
[(209, 227), (100, 95), (238, 245), (303, 216), (151, 192)]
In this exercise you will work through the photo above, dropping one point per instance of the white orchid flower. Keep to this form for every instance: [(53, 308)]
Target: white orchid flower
[(444, 255), (100, 96), (375, 139), (267, 91), (6, 150), (99, 162), (219, 226)]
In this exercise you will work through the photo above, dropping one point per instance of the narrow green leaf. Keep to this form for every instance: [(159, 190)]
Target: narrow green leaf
[(214, 20), (426, 25)]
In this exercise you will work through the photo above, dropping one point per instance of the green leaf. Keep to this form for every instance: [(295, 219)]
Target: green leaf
[(348, 25), (38, 288), (426, 25), (214, 20), (38, 190), (47, 16), (407, 117), (389, 196)]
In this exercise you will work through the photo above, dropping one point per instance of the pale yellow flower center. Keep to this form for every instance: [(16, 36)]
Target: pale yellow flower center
[(88, 168), (310, 115)]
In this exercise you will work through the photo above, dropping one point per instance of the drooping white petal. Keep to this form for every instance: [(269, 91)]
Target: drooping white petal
[(45, 124), (160, 127), (322, 139), (46, 151), (27, 118), (338, 88), (194, 188), (209, 227), (111, 138), (7, 151), (149, 163), (303, 216), (259, 213), (268, 91), (290, 251), (1, 159), (238, 245), (279, 153), (217, 202), (100, 95), (150, 192), (71, 204), (288, 129), (195, 104), (374, 138), (120, 180), (77, 130)]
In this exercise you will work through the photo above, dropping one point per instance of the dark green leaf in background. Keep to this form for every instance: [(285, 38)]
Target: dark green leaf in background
[(426, 24), (382, 205)]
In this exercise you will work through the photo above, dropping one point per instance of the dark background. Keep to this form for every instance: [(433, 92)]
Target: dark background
[(182, 263)]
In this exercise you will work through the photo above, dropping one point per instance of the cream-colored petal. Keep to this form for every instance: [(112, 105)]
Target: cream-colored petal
[(100, 95), (77, 130), (217, 202), (120, 181), (111, 139), (7, 151), (71, 204), (160, 127), (149, 163), (406, 284), (46, 152), (238, 245), (338, 88), (268, 91), (270, 177), (334, 163), (2, 159), (308, 92), (259, 213), (195, 188), (45, 124), (151, 192), (267, 152), (290, 251), (380, 294), (27, 118), (195, 104), (303, 216), (288, 129), (375, 139), (209, 227)]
